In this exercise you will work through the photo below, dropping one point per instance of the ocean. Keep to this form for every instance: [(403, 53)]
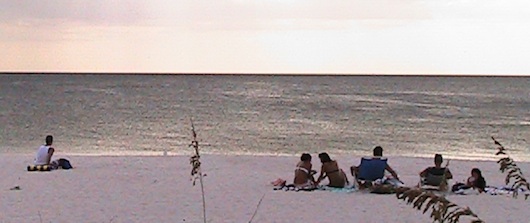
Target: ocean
[(266, 115)]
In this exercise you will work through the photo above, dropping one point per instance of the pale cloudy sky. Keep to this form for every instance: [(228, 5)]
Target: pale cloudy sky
[(266, 36)]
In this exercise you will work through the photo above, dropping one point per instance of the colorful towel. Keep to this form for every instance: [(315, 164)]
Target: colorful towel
[(39, 168), (347, 189), (291, 187), (504, 190)]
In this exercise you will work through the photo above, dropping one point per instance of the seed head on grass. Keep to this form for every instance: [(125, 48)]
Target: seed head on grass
[(442, 210), (513, 172), (196, 172)]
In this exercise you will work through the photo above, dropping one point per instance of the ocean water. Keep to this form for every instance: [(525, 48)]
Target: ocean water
[(149, 114)]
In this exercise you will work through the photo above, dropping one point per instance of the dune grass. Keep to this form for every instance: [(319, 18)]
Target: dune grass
[(441, 209), (196, 172), (514, 174)]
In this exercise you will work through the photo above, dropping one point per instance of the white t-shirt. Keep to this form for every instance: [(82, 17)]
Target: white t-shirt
[(42, 155)]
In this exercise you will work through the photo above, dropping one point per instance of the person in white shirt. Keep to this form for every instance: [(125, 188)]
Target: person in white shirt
[(45, 152)]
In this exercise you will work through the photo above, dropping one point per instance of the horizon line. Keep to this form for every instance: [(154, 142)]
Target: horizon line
[(255, 74)]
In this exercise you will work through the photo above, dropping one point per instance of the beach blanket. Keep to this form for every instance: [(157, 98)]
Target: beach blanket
[(347, 189), (39, 168), (386, 185), (504, 190), (292, 187), (491, 190)]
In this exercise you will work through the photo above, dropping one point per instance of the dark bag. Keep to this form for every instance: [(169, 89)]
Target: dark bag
[(64, 164)]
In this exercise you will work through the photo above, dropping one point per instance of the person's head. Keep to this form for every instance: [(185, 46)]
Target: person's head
[(378, 151), (476, 173), (305, 157), (438, 159), (324, 157), (49, 140)]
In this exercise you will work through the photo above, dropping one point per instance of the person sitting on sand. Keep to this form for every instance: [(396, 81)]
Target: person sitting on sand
[(303, 175), (330, 169), (378, 154), (475, 181), (45, 152), (437, 169)]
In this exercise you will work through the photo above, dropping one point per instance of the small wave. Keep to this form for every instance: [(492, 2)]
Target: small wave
[(322, 124), (506, 123), (420, 120), (380, 100), (440, 93), (95, 90), (248, 112)]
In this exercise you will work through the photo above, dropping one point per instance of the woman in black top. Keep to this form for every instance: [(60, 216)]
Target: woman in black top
[(475, 181)]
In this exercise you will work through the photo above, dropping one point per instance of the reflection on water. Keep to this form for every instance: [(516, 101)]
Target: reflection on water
[(141, 114)]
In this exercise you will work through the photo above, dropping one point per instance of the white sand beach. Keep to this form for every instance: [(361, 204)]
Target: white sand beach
[(158, 189)]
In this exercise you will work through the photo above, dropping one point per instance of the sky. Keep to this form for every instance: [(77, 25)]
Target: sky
[(266, 36)]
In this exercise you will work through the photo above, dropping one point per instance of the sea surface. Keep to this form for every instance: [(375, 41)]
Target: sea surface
[(278, 115)]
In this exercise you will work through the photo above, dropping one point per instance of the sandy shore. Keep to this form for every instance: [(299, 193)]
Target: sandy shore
[(158, 189)]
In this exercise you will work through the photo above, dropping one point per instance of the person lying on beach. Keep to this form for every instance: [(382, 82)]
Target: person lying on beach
[(45, 153), (378, 154), (475, 181), (330, 169)]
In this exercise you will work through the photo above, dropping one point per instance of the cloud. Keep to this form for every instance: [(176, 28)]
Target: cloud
[(294, 14), (251, 15), (217, 14), (109, 12)]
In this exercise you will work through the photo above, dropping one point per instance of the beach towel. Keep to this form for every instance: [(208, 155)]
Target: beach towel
[(491, 190), (346, 189), (504, 190), (39, 168), (292, 187), (386, 185)]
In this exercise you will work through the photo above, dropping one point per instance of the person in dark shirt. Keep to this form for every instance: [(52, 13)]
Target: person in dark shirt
[(437, 169)]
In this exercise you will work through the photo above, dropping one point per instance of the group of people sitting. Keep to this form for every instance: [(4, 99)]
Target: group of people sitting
[(370, 170)]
